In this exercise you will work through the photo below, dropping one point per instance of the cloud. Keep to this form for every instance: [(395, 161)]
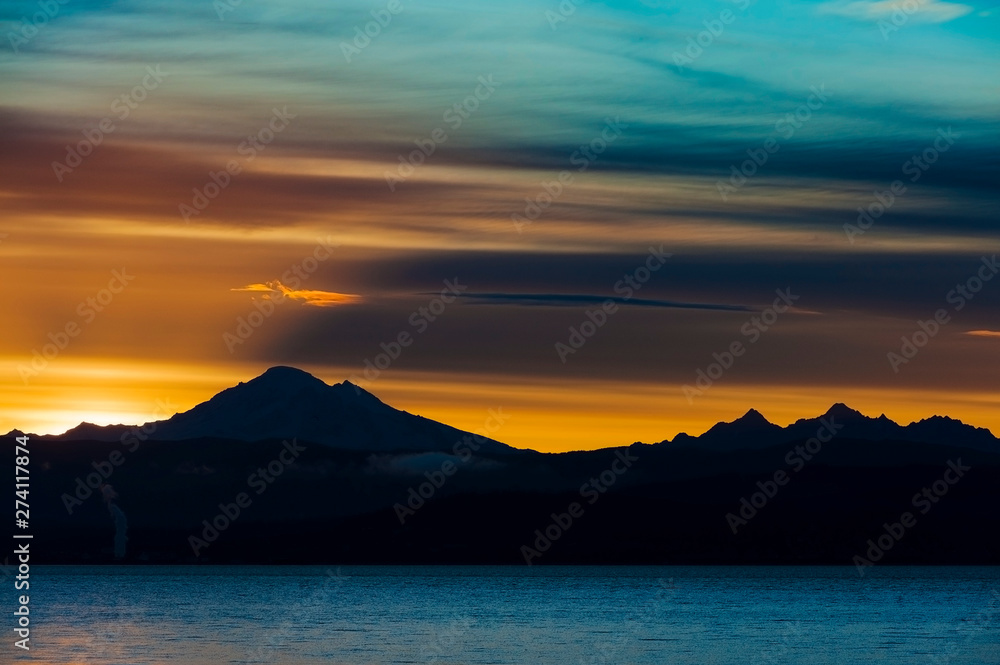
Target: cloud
[(277, 291), (571, 300), (927, 11), (983, 333)]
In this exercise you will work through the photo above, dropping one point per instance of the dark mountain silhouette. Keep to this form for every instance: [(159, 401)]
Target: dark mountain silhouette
[(753, 431), (941, 429), (372, 484), (89, 432), (285, 403)]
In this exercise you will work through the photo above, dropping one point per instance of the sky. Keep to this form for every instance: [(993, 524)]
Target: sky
[(614, 221)]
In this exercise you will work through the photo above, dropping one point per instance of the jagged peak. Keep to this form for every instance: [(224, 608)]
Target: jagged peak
[(753, 416), (841, 410), (939, 419)]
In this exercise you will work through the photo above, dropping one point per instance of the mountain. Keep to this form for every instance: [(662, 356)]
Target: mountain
[(941, 429), (753, 431), (710, 499), (91, 432), (285, 403)]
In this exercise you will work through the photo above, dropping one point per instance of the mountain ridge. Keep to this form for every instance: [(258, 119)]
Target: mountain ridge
[(753, 431), (287, 402), (390, 488)]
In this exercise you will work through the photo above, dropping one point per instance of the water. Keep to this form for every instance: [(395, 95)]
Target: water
[(478, 615)]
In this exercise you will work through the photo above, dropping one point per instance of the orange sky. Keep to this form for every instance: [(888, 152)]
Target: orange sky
[(543, 415), (162, 337), (267, 179)]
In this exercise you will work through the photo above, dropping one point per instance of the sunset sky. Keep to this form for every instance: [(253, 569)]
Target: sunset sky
[(187, 164)]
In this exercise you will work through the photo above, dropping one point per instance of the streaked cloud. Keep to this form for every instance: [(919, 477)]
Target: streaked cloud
[(929, 11), (277, 291), (983, 333), (576, 299), (656, 184)]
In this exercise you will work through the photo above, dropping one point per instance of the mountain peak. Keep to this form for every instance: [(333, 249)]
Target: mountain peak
[(841, 410), (744, 431), (753, 417), (286, 403), (291, 376)]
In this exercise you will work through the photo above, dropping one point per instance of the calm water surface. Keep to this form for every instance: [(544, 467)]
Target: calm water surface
[(478, 615)]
